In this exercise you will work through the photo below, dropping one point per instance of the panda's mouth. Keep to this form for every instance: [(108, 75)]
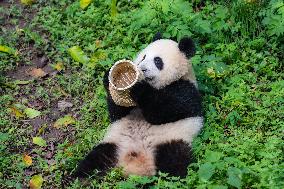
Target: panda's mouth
[(149, 78)]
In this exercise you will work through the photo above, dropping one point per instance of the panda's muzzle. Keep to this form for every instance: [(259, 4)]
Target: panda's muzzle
[(149, 78)]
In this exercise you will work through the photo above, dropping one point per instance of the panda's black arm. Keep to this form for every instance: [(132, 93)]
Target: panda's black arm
[(176, 101), (116, 112)]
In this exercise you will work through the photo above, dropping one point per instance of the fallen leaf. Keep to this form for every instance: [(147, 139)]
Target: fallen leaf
[(42, 129), (17, 113), (84, 3), (64, 121), (39, 141), (98, 43), (37, 73), (32, 113), (59, 66), (36, 182), (63, 104), (27, 2), (8, 50), (78, 55), (27, 160)]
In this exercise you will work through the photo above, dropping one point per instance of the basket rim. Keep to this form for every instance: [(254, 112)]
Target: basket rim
[(120, 62)]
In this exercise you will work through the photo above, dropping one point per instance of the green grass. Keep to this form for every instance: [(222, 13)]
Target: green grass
[(239, 67)]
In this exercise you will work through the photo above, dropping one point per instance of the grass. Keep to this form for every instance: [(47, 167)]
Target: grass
[(239, 67)]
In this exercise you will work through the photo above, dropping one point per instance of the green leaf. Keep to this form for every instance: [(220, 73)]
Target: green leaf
[(78, 55), (64, 121), (206, 171), (3, 137), (32, 113), (113, 8), (216, 69), (84, 3), (36, 182), (234, 178), (39, 141), (22, 82), (8, 50), (217, 187), (213, 156)]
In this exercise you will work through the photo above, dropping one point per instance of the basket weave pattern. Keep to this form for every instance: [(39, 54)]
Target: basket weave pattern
[(122, 76)]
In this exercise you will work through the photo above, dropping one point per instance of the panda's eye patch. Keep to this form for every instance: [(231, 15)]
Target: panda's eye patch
[(159, 63)]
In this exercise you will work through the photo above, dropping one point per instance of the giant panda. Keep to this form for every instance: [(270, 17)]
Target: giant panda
[(156, 135)]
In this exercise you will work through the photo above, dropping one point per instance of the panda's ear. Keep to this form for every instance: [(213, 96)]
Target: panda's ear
[(186, 45), (157, 36)]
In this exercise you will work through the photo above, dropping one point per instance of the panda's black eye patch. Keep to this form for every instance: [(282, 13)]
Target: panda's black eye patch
[(159, 63)]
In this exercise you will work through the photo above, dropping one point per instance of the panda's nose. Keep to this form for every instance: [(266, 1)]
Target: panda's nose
[(144, 70)]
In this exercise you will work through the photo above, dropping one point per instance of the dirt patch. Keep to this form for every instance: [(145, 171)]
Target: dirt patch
[(22, 14), (21, 18)]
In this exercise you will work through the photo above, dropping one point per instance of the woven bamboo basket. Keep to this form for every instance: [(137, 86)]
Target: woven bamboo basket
[(122, 76)]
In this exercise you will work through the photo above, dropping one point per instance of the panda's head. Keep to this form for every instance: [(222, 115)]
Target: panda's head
[(165, 61)]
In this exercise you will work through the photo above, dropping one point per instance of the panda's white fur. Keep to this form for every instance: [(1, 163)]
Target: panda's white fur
[(176, 64), (133, 134), (136, 138)]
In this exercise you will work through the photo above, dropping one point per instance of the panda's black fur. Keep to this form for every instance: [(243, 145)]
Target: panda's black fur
[(151, 137)]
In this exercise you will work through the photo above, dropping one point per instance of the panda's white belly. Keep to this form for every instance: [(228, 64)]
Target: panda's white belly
[(136, 140)]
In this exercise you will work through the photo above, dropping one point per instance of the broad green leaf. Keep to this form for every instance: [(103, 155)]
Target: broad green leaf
[(36, 182), (216, 69), (3, 137), (213, 156), (78, 55), (84, 3), (32, 113), (27, 160), (113, 8), (64, 121), (8, 50), (234, 178), (217, 187), (27, 2), (39, 141), (206, 171)]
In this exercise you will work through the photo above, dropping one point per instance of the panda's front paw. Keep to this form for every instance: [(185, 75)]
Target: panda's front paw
[(139, 89)]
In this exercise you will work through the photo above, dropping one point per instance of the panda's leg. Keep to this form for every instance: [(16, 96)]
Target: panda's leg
[(101, 158), (173, 157)]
